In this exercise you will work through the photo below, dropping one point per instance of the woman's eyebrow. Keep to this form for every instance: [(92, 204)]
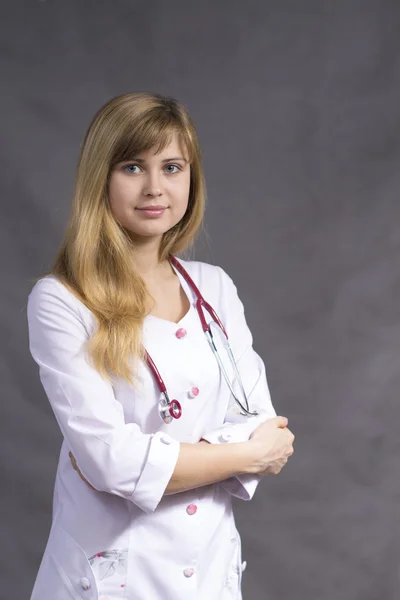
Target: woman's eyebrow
[(142, 160), (175, 158)]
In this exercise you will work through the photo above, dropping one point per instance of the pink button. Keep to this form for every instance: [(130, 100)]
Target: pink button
[(191, 509), (193, 392), (188, 572), (181, 333)]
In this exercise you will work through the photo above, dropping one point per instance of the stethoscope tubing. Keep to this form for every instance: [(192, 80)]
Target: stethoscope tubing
[(171, 409), (245, 410), (168, 409)]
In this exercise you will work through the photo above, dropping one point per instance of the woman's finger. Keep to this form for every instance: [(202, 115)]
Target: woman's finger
[(75, 466)]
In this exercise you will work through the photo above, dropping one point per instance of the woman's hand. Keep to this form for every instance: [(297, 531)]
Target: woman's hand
[(271, 446), (73, 461)]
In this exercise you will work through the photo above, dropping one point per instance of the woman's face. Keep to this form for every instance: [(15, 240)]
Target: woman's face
[(149, 194)]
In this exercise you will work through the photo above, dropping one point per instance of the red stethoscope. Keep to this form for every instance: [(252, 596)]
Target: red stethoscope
[(172, 409)]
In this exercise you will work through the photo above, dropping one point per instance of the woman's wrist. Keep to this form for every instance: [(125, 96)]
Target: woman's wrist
[(244, 453), (243, 456)]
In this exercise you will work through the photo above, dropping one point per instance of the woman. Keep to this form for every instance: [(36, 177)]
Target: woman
[(142, 500)]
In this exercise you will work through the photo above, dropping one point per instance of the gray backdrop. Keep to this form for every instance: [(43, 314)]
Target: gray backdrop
[(297, 104)]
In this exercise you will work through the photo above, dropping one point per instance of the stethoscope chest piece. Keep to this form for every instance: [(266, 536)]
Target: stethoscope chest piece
[(169, 409)]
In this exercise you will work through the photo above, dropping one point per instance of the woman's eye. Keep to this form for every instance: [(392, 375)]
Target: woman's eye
[(131, 168), (170, 167)]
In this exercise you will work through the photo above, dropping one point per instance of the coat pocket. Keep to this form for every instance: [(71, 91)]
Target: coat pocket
[(233, 581), (110, 569), (65, 572)]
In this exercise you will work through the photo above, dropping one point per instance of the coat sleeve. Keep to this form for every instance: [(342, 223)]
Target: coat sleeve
[(114, 456), (237, 428)]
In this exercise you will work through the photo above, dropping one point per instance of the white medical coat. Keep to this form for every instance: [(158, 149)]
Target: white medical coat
[(126, 539)]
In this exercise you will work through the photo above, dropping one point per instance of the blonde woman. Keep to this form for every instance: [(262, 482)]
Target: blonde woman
[(155, 444)]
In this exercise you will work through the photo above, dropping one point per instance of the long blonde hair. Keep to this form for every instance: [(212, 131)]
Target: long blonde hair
[(95, 258)]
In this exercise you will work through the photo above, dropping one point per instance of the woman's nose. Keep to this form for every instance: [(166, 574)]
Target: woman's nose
[(152, 185)]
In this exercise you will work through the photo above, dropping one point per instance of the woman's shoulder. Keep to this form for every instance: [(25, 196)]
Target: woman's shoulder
[(49, 284), (49, 289)]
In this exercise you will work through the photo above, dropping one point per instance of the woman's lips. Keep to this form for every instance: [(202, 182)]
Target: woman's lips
[(152, 211)]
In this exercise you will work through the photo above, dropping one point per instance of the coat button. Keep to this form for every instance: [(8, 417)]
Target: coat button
[(193, 392), (85, 583), (188, 572), (191, 509), (244, 565), (227, 435), (181, 333), (165, 440)]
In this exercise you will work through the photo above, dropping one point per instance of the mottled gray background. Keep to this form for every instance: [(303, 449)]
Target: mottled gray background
[(297, 104)]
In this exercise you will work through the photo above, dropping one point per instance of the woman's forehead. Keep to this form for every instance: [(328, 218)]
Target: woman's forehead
[(173, 147)]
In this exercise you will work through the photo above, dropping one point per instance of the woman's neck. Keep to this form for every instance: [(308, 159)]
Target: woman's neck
[(147, 264)]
